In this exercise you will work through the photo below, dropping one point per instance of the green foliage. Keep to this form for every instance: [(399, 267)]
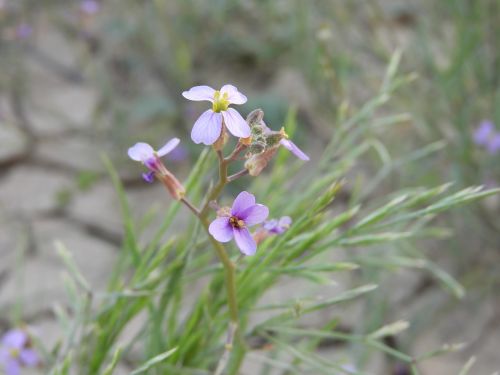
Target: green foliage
[(157, 281)]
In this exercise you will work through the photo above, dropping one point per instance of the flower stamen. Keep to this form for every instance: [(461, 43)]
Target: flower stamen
[(236, 222), (221, 102), (283, 133)]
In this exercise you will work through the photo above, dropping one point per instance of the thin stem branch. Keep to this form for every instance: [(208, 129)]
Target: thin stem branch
[(189, 205), (237, 175), (228, 349), (232, 156), (217, 189), (229, 266)]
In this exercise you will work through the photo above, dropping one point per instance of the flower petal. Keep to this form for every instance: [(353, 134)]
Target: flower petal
[(89, 7), (169, 146), (270, 225), (12, 367), (234, 96), (245, 241), (494, 144), (221, 230), (207, 128), (4, 355), (149, 177), (254, 215), (285, 221), (482, 133), (15, 339), (243, 201), (200, 93), (236, 124), (292, 147), (29, 357), (141, 152)]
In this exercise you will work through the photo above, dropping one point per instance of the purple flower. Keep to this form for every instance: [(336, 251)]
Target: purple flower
[(483, 132), (244, 213), (15, 352), (493, 145), (280, 226), (286, 142), (24, 31), (208, 128), (486, 136), (90, 7), (144, 153)]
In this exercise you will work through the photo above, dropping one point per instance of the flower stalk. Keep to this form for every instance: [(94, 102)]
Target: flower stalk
[(260, 142)]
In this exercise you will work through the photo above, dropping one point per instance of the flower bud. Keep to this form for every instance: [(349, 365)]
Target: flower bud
[(256, 163), (173, 185), (260, 236), (255, 117)]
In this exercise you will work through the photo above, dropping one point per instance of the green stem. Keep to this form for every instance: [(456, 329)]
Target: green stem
[(217, 189), (229, 266)]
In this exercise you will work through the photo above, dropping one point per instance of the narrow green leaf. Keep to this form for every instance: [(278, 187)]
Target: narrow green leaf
[(153, 362), (114, 361)]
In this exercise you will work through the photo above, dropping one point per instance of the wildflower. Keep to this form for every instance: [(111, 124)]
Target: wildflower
[(264, 144), (24, 31), (483, 132), (261, 133), (292, 147), (144, 153), (234, 222), (486, 136), (276, 226), (209, 126), (271, 228), (493, 145), (89, 7), (16, 352)]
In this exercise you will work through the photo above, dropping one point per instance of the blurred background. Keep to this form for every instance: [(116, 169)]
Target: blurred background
[(79, 79)]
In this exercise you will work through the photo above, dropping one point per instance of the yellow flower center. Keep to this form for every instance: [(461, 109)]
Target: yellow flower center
[(221, 102), (14, 353), (236, 223)]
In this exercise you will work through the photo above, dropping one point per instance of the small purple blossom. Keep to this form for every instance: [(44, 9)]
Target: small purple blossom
[(243, 214), (486, 136), (208, 128), (144, 153), (276, 226), (15, 352), (90, 7), (286, 142), (493, 145), (24, 31), (483, 132), (149, 177)]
